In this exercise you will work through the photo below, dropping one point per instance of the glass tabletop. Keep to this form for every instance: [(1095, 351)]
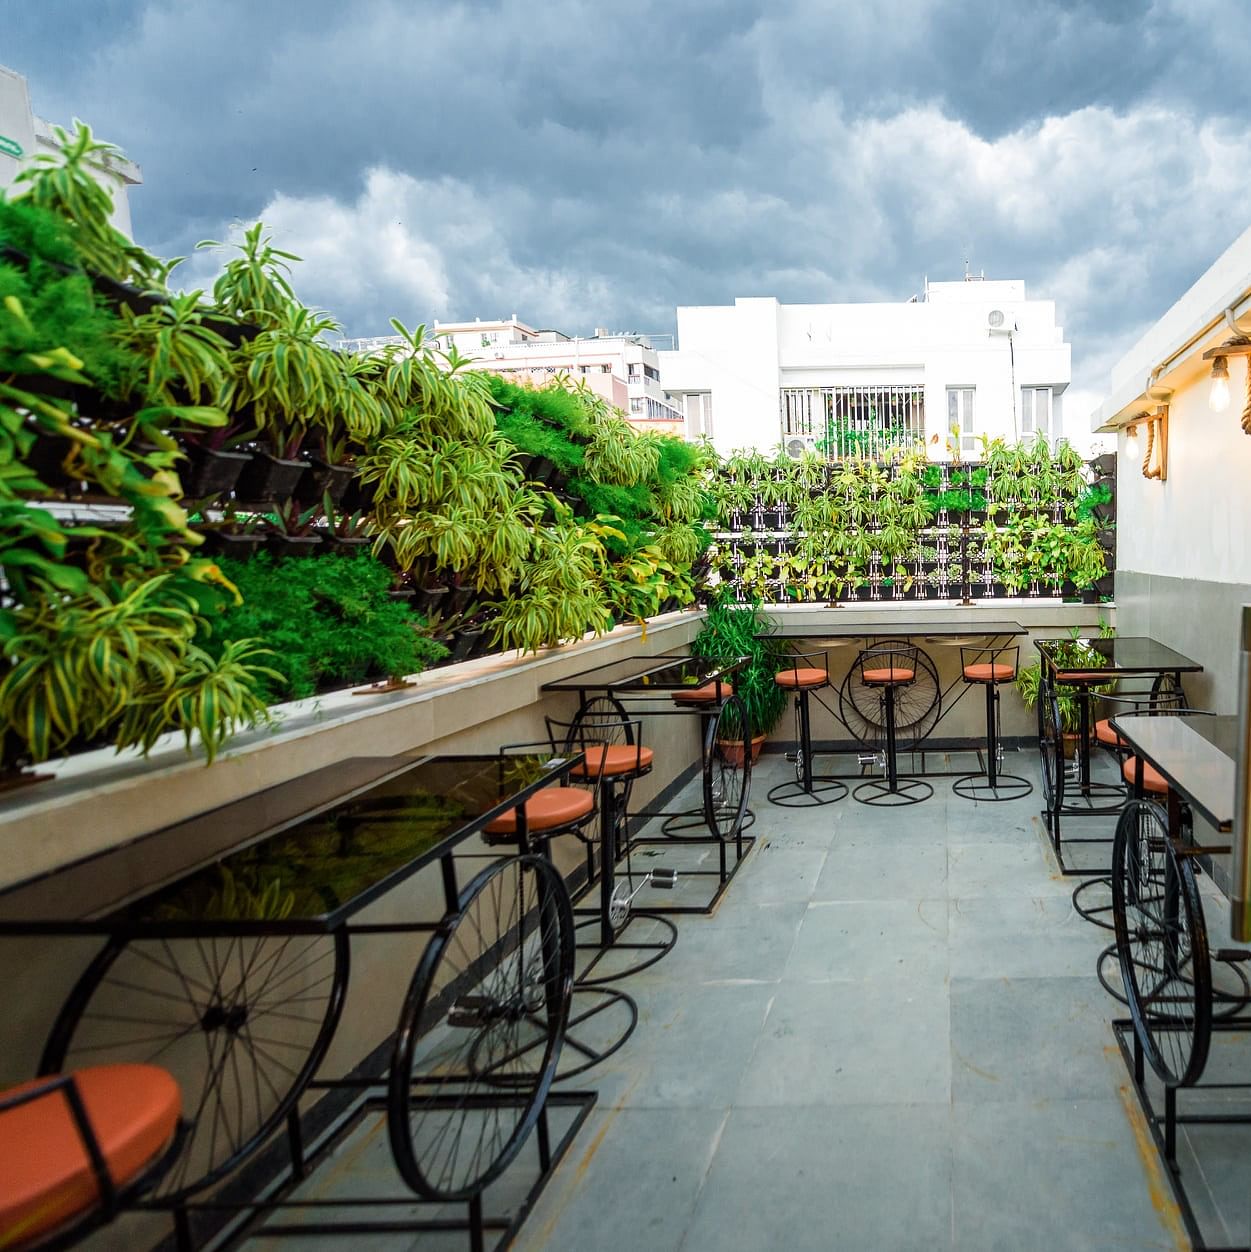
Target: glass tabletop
[(1071, 659), (1194, 754), (649, 673), (314, 870)]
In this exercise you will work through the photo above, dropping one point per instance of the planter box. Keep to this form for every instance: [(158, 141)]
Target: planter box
[(211, 473), (322, 479), (226, 543), (269, 478), (288, 547)]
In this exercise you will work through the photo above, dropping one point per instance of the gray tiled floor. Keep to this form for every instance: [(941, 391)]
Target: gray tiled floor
[(888, 1035)]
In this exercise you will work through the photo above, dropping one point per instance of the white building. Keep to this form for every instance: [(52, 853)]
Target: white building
[(623, 368), (23, 135), (973, 355)]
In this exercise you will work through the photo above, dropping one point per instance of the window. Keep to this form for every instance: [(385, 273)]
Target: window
[(855, 420), (1036, 412), (636, 405), (960, 417), (635, 370), (650, 371), (698, 413)]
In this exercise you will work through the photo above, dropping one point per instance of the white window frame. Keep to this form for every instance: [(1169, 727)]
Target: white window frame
[(1029, 412), (965, 416)]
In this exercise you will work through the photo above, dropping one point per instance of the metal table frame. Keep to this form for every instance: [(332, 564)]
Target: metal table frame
[(1083, 681), (238, 1216), (637, 682), (1203, 799)]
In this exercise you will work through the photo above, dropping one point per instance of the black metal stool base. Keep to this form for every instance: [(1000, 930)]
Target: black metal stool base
[(1096, 914), (677, 824), (878, 792), (979, 787), (649, 952), (1109, 953), (792, 795), (577, 1055)]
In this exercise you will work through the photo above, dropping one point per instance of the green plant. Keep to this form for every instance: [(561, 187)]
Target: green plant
[(329, 620), (732, 630)]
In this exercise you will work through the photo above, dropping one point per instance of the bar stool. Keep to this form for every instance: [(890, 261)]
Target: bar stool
[(707, 699), (991, 668), (615, 758), (887, 667), (78, 1147), (805, 674), (547, 815), (1092, 899)]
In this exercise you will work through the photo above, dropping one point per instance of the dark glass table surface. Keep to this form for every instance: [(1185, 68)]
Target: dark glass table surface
[(648, 673), (886, 629), (1196, 756), (1110, 657), (315, 869)]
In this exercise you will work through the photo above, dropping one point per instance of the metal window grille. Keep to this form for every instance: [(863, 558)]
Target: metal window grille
[(850, 421)]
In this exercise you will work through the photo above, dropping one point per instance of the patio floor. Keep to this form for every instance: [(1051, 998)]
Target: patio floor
[(889, 1035)]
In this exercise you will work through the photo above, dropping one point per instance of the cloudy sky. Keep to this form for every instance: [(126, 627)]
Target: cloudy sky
[(590, 164)]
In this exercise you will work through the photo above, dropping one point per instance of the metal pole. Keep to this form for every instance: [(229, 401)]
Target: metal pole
[(1240, 888)]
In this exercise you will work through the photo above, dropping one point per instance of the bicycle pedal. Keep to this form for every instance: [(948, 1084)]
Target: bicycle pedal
[(1232, 956), (664, 879)]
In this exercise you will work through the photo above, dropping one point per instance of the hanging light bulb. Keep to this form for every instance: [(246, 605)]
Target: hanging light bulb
[(1218, 397)]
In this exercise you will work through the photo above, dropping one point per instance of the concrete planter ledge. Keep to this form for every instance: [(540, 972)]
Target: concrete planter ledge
[(99, 800)]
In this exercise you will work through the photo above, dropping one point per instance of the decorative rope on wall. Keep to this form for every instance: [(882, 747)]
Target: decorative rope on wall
[(1246, 412)]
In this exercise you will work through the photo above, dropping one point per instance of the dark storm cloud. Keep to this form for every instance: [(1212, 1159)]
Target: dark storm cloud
[(588, 164)]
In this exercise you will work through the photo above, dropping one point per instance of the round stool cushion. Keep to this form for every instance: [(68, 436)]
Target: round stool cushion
[(47, 1178), (613, 759), (1105, 734), (801, 677), (989, 672), (1152, 779), (703, 695), (888, 674), (549, 809)]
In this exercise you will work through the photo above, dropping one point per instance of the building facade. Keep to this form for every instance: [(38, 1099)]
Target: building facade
[(24, 135), (976, 357), (623, 368)]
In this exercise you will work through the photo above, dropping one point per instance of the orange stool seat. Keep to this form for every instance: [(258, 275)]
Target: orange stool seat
[(1105, 734), (889, 674), (990, 672), (549, 809), (801, 677), (47, 1178), (1152, 779), (612, 759), (703, 695)]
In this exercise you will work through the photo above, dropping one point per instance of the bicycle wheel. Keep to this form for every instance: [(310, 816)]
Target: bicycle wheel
[(727, 769), (242, 1022), (481, 1030), (1162, 945), (918, 706)]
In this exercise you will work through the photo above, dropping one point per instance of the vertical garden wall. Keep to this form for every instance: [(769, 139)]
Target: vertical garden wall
[(206, 509), (1023, 520)]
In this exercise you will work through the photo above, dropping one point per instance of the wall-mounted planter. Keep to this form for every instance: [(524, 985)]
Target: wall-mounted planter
[(322, 479), (293, 546), (239, 544), (269, 478), (210, 473)]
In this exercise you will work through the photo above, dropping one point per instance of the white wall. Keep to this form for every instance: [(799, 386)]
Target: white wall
[(743, 354), (1197, 523)]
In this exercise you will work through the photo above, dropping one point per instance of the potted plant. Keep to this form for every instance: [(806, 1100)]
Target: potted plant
[(732, 630)]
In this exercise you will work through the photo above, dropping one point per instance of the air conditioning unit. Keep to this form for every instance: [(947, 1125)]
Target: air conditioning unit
[(994, 319), (797, 445)]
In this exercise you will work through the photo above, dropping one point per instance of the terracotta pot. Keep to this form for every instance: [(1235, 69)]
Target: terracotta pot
[(731, 750)]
